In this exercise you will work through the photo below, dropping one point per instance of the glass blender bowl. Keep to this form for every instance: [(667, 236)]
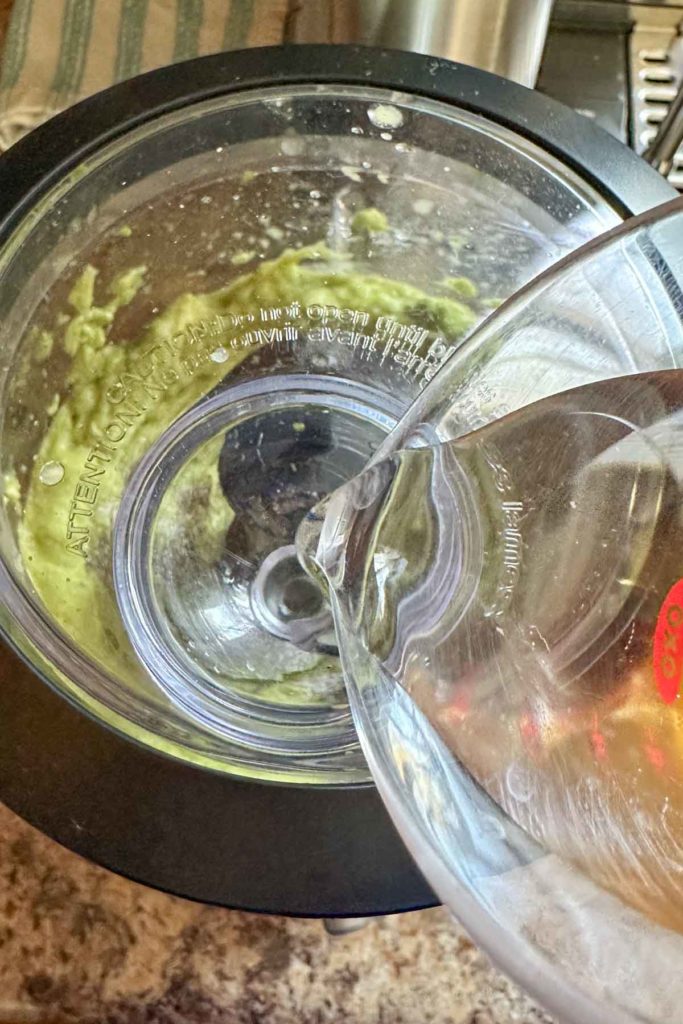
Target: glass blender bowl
[(209, 322)]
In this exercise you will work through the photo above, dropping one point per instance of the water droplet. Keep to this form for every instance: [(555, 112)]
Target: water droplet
[(383, 115), (219, 355), (51, 473), (423, 207)]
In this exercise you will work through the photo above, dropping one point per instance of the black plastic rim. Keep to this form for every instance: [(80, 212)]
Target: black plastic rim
[(174, 826), (45, 155)]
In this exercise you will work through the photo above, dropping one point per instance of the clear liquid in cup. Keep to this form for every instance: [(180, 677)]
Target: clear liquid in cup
[(509, 608)]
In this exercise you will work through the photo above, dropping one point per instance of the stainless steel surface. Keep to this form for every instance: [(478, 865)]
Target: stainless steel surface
[(665, 151), (656, 67), (503, 36), (620, 64), (600, 91)]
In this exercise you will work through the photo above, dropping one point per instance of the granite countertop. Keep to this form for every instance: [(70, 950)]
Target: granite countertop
[(79, 944)]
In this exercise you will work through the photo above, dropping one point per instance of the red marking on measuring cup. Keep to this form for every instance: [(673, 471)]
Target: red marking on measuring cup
[(655, 756), (598, 744), (667, 646)]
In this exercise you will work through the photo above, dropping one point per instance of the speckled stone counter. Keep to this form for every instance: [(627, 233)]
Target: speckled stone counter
[(80, 944)]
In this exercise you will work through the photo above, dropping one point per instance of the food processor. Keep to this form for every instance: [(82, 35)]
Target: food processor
[(222, 286)]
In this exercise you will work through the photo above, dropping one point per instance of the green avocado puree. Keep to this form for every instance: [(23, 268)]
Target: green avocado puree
[(119, 397)]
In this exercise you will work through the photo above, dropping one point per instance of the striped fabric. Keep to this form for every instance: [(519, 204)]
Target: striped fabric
[(57, 51)]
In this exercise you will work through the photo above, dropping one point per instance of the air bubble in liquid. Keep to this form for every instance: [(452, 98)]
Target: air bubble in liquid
[(519, 783)]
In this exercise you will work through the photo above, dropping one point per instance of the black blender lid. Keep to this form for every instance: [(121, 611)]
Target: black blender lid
[(173, 825), (43, 156)]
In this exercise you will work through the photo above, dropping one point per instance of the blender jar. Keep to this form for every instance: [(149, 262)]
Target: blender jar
[(207, 324)]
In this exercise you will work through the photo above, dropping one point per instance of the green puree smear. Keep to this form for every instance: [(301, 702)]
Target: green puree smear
[(119, 398)]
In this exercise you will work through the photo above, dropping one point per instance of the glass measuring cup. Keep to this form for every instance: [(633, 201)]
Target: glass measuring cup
[(508, 603)]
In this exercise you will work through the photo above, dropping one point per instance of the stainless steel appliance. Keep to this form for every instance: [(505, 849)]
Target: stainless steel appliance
[(619, 64), (503, 36), (616, 62)]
